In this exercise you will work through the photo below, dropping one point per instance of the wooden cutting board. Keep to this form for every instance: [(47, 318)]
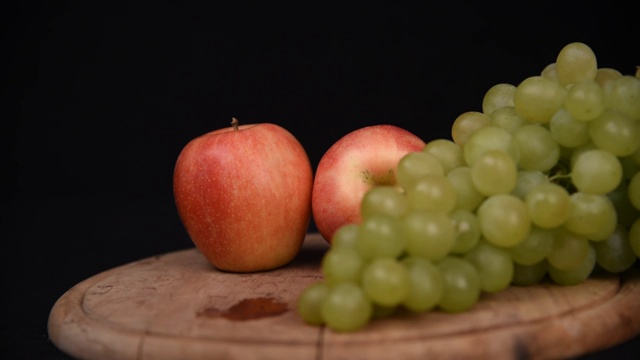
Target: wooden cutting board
[(177, 306)]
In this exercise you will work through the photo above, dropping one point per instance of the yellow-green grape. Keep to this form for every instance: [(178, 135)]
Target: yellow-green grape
[(615, 254), (615, 132), (432, 192), (549, 205), (579, 151), (467, 196), (346, 235), (535, 248), (379, 236), (461, 285), (550, 71), (342, 264), (596, 172), (567, 131), (346, 308), (527, 275), (498, 96), (385, 281), (623, 94), (489, 138), (527, 180), (493, 264), (504, 220), (384, 199), (576, 275), (466, 124), (415, 164), (589, 213), (538, 149), (625, 211), (605, 75), (569, 250), (310, 303), (447, 152), (494, 172), (467, 231), (428, 234), (576, 62), (537, 98), (426, 284), (507, 118), (585, 100)]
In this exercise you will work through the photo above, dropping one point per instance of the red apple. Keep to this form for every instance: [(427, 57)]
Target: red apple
[(358, 161), (243, 194)]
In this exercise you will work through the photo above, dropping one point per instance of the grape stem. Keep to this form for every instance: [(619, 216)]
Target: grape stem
[(234, 123)]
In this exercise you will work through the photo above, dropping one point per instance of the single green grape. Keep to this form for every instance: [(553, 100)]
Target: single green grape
[(426, 285), (385, 281), (467, 230), (461, 284), (549, 205), (596, 171), (526, 181), (467, 196), (342, 264), (567, 131), (384, 199), (346, 308), (448, 153), (569, 250), (380, 236), (494, 172), (498, 96), (576, 62), (428, 234), (585, 100), (493, 264), (550, 71), (504, 220), (615, 254), (605, 75), (526, 275), (535, 247), (487, 138), (466, 124), (507, 117), (310, 303), (625, 211), (589, 213), (615, 132), (432, 192), (346, 235), (623, 94), (576, 275), (414, 165), (537, 98), (538, 150)]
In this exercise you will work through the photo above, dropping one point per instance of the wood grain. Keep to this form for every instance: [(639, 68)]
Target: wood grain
[(177, 306)]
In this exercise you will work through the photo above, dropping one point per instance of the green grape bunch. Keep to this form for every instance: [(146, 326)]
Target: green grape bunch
[(543, 183)]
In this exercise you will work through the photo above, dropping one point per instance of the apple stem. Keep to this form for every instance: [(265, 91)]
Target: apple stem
[(234, 123)]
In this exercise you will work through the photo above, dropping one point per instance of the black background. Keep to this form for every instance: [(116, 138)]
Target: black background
[(98, 99)]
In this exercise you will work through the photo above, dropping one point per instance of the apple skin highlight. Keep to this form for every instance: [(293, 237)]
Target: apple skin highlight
[(244, 196), (361, 159)]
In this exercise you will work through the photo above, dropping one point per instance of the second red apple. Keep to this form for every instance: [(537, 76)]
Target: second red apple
[(358, 161)]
